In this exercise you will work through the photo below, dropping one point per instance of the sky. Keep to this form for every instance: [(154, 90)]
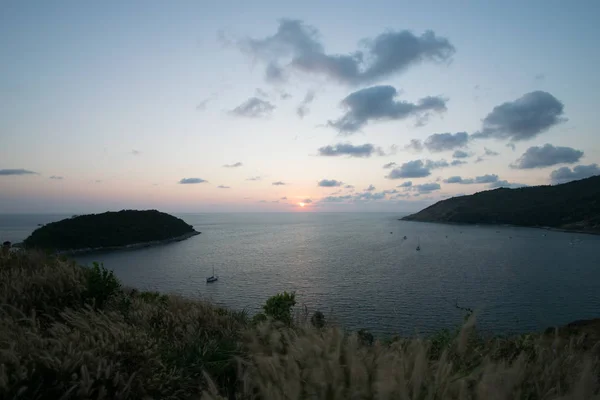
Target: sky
[(202, 106)]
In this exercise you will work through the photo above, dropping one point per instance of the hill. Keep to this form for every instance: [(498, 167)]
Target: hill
[(109, 230), (570, 206)]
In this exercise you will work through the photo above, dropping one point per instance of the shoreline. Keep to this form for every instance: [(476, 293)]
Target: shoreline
[(132, 246), (547, 228)]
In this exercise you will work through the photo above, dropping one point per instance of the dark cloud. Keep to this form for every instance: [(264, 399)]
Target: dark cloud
[(223, 187), (370, 188), (524, 118), (488, 178), (547, 155), (335, 199), (446, 141), (254, 178), (302, 109), (411, 169), (236, 165), (278, 183), (405, 184), (261, 93), (415, 145), (506, 184), (329, 183), (416, 169), (253, 108), (390, 191), (56, 177), (296, 45), (275, 74), (427, 187), (389, 165), (456, 163), (346, 149), (511, 146), (566, 174), (490, 152), (18, 171), (377, 103), (189, 181), (307, 201)]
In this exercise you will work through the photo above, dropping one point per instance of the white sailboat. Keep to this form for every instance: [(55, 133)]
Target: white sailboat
[(212, 278)]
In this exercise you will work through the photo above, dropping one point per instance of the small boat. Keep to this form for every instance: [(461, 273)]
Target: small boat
[(212, 278), (418, 245)]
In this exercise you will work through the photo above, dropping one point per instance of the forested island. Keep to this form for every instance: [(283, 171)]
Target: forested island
[(573, 206), (110, 230)]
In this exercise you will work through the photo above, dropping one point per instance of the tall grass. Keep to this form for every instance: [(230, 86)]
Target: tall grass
[(68, 332)]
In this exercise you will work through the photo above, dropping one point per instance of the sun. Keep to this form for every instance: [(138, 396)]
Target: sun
[(301, 204)]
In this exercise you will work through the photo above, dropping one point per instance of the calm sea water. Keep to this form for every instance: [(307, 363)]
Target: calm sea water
[(359, 269)]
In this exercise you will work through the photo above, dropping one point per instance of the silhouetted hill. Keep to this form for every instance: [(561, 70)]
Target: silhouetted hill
[(109, 230), (570, 206)]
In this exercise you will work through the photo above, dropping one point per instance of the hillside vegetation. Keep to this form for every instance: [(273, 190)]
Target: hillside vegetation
[(571, 206), (109, 229), (68, 332)]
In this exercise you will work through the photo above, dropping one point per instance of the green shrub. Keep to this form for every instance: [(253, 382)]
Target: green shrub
[(101, 285), (318, 320), (279, 307)]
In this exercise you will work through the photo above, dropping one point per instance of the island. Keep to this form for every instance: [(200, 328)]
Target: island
[(110, 230), (573, 206)]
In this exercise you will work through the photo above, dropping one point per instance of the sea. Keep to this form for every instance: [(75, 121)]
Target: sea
[(362, 273)]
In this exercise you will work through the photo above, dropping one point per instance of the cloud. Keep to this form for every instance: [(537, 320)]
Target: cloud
[(189, 181), (348, 187), (56, 177), (506, 184), (511, 146), (223, 187), (136, 152), (490, 152), (307, 201), (278, 183), (427, 187), (539, 77), (456, 163), (566, 174), (370, 188), (446, 141), (377, 103), (416, 169), (284, 95), (202, 105), (236, 165), (335, 199), (254, 178), (488, 178), (296, 46), (302, 109), (262, 201), (479, 159), (329, 183), (405, 184), (18, 171), (389, 165), (415, 146), (411, 169), (275, 74), (523, 118), (283, 198), (346, 149), (253, 108), (261, 93), (547, 155)]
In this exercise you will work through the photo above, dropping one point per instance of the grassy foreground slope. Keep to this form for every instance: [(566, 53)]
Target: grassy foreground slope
[(109, 229), (70, 332), (571, 206)]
